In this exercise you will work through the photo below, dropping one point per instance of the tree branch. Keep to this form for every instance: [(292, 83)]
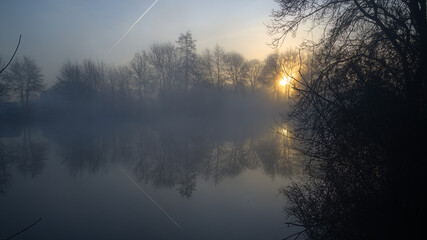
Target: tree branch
[(23, 230), (10, 60)]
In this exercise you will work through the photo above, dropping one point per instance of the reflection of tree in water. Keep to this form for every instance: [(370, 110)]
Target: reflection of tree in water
[(30, 155), (176, 161), (167, 160), (277, 156), (170, 158), (25, 153), (92, 150), (85, 154), (5, 176)]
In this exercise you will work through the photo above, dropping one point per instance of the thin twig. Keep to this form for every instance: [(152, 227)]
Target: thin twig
[(25, 229), (10, 60), (298, 234)]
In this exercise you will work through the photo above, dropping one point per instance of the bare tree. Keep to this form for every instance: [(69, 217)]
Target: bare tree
[(368, 76), (141, 66), (218, 59), (82, 82), (235, 69), (254, 70), (4, 87), (26, 79), (206, 63), (70, 85), (164, 59), (94, 75), (124, 79), (271, 71), (187, 49)]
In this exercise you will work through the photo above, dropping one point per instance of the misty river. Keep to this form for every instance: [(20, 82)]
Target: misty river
[(170, 179)]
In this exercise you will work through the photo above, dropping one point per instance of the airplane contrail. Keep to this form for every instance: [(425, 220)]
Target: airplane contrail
[(148, 196), (133, 25)]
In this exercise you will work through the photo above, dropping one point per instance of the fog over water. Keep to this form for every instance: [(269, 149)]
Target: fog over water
[(135, 119), (169, 175)]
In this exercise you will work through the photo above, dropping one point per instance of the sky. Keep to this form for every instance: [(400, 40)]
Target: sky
[(56, 30)]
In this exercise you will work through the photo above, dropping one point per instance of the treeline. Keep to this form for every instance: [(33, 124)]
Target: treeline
[(161, 72), (22, 80), (165, 73)]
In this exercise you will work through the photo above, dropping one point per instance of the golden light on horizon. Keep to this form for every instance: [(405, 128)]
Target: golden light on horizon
[(285, 81)]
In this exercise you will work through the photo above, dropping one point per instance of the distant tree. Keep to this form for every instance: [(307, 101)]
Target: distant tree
[(120, 82), (70, 84), (124, 80), (271, 71), (254, 71), (4, 87), (141, 67), (165, 61), (206, 66), (218, 60), (235, 69), (187, 49), (25, 79), (82, 82), (94, 75), (286, 65)]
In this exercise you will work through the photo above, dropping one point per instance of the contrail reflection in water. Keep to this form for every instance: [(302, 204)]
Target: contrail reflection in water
[(148, 196)]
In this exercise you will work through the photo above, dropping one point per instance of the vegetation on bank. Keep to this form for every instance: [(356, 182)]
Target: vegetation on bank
[(361, 115)]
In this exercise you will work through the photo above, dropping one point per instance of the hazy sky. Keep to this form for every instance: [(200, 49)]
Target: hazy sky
[(56, 30)]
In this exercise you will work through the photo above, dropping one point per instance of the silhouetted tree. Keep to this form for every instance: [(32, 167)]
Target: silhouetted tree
[(4, 86), (278, 66), (187, 49), (206, 66), (218, 59), (94, 75), (70, 84), (254, 68), (141, 67), (235, 69), (25, 79), (85, 82), (271, 71), (124, 80), (361, 116), (164, 59)]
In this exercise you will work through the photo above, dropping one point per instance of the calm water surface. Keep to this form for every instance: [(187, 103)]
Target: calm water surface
[(144, 181)]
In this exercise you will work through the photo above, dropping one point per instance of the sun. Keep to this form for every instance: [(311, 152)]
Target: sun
[(285, 81)]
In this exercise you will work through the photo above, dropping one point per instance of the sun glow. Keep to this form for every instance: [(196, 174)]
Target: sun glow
[(285, 81), (285, 132)]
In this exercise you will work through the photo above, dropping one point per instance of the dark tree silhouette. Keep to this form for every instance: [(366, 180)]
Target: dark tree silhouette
[(4, 87), (218, 59), (141, 68), (253, 75), (235, 69), (187, 49), (25, 79), (361, 115)]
